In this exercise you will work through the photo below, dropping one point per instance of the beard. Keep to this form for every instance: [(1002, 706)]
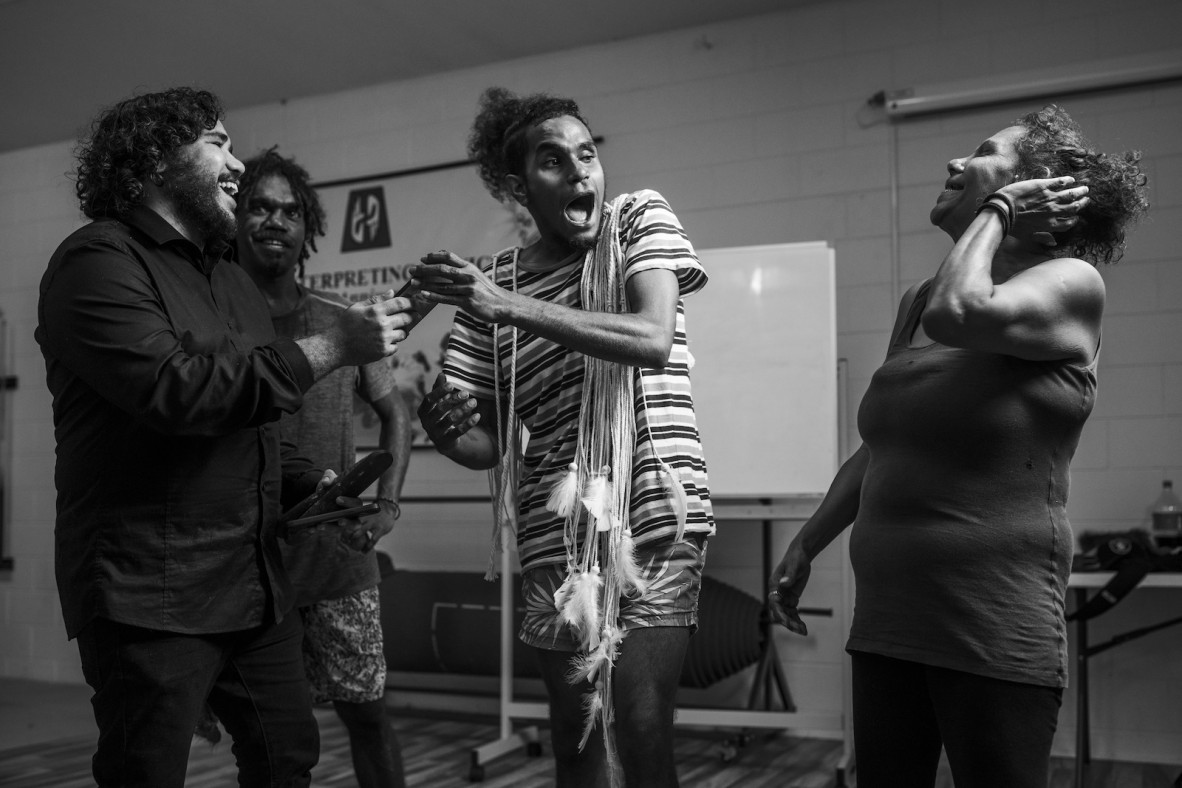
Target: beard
[(585, 244), (267, 263), (195, 197)]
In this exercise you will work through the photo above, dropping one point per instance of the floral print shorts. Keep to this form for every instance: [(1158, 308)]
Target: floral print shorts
[(673, 571), (343, 653)]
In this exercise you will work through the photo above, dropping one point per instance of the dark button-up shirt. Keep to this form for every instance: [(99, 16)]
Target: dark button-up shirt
[(167, 381)]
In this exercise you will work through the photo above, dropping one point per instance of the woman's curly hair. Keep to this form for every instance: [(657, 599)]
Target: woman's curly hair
[(497, 142), (128, 142), (269, 162), (1053, 146)]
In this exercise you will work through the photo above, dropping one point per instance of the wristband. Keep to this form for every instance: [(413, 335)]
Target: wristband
[(1002, 211), (1004, 202), (1011, 206), (392, 502)]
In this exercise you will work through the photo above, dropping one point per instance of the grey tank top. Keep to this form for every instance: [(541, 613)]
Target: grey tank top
[(961, 548)]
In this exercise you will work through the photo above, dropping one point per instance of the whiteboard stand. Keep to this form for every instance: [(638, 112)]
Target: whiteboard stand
[(510, 740), (769, 675)]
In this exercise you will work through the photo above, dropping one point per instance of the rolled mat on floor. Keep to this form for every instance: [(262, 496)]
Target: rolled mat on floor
[(449, 622)]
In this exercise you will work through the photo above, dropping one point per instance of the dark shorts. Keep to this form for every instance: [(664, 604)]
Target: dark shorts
[(672, 571)]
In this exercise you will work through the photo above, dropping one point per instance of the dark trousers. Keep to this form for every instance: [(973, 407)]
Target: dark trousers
[(150, 687), (997, 734)]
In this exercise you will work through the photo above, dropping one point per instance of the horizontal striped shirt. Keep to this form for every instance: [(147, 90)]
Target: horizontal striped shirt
[(550, 389)]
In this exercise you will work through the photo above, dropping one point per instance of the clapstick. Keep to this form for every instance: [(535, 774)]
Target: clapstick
[(354, 482)]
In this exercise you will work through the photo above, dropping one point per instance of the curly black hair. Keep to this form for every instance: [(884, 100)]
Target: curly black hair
[(127, 143), (1053, 146), (269, 162), (497, 142)]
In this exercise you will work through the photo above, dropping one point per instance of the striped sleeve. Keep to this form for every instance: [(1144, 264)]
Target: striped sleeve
[(469, 362), (652, 237)]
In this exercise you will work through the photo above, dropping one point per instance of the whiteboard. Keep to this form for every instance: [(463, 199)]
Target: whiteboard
[(763, 337)]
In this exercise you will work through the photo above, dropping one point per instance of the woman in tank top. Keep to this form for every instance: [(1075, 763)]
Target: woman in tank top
[(960, 545)]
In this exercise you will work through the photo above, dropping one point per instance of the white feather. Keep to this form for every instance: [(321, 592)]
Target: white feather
[(631, 578), (675, 492), (592, 708), (595, 498), (580, 607), (565, 492), (585, 667)]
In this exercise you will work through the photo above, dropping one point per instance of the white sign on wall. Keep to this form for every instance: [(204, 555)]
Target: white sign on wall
[(377, 229)]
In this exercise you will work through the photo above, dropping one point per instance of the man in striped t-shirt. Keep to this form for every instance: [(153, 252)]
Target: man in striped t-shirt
[(538, 151)]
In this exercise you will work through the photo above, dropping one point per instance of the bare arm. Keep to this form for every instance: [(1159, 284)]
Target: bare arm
[(365, 332), (838, 509), (1050, 310), (642, 336), (394, 437)]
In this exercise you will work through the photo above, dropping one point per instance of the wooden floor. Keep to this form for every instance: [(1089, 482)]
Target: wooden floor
[(436, 752)]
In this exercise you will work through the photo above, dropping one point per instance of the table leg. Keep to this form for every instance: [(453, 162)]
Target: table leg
[(1083, 754)]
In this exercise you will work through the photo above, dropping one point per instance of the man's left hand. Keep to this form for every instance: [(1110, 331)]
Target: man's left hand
[(380, 524), (447, 278), (362, 533)]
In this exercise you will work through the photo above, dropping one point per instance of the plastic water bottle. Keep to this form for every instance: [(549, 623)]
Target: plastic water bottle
[(1167, 516)]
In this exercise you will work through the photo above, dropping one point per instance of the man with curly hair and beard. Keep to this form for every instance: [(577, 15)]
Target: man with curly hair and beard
[(279, 218), (580, 337), (168, 382)]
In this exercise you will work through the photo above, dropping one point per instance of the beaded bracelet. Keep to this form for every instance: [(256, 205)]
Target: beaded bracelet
[(392, 502)]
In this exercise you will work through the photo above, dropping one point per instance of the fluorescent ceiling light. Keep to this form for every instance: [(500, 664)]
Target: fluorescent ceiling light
[(1000, 89)]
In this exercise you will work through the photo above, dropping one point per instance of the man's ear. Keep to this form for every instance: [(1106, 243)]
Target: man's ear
[(157, 175), (517, 189)]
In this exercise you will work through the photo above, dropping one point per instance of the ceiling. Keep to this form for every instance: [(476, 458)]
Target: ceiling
[(63, 60)]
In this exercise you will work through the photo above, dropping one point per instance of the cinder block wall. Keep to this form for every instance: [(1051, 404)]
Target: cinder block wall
[(758, 132)]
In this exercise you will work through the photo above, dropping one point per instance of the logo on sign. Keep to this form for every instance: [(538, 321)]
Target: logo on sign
[(366, 225)]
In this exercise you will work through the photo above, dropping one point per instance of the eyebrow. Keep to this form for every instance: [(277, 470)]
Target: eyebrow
[(548, 145), (270, 203), (220, 136)]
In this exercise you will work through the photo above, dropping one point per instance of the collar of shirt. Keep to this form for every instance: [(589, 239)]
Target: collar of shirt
[(161, 233)]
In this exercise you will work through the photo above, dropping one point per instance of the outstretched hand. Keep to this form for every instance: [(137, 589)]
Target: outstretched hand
[(785, 586), (447, 278), (373, 328)]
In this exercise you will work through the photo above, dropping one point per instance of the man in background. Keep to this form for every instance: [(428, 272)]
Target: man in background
[(168, 382), (279, 218)]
